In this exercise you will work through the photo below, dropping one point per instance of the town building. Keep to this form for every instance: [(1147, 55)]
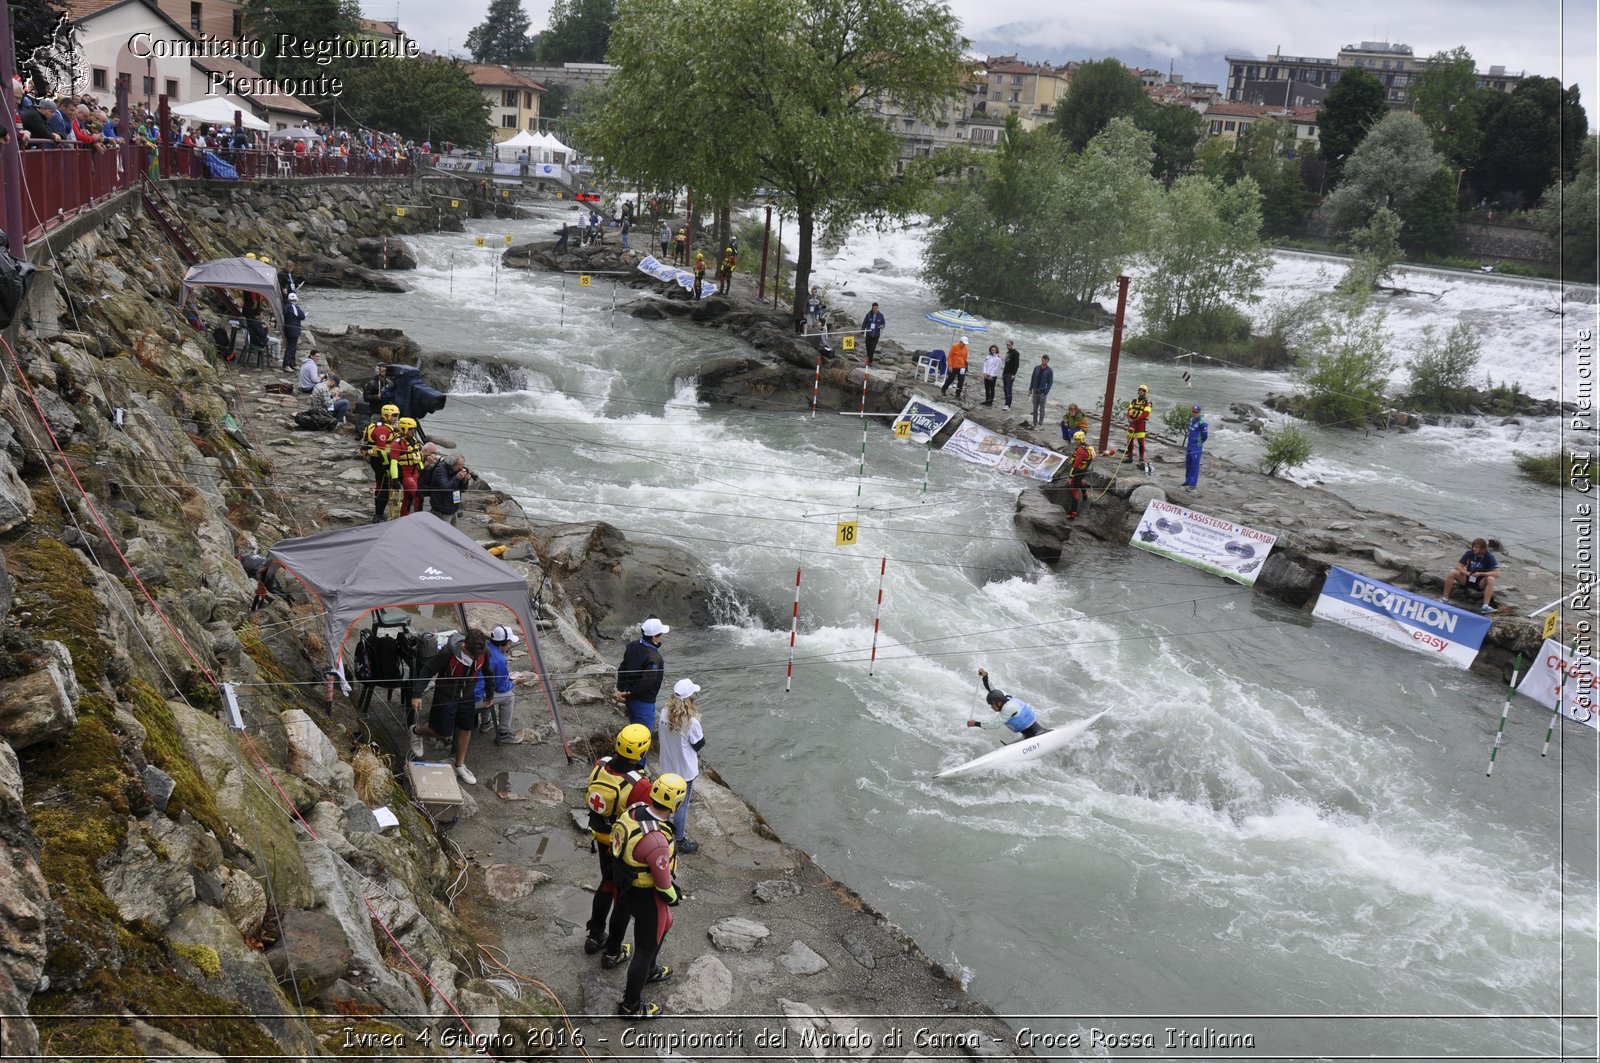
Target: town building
[(1304, 81), (1030, 91), (958, 121), (1225, 120), (373, 29), (514, 99), (569, 76)]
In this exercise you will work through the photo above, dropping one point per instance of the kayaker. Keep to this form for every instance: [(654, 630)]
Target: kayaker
[(1010, 712)]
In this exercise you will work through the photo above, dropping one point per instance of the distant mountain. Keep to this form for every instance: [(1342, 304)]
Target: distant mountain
[(1022, 39)]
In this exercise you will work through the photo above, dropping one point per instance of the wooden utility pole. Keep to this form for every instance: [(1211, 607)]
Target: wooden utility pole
[(1111, 369)]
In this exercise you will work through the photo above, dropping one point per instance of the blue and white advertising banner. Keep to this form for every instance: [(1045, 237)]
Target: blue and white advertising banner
[(683, 278), (1424, 624), (926, 419), (1578, 694), (975, 443), (1218, 546)]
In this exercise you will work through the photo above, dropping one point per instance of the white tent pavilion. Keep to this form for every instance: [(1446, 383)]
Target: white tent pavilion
[(218, 110)]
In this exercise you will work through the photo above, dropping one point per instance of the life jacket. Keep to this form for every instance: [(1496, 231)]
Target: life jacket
[(1138, 413), (631, 827), (1082, 458), (604, 796), (412, 455), (376, 435), (1025, 716)]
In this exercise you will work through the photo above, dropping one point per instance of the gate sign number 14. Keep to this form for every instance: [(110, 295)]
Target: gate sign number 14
[(845, 535)]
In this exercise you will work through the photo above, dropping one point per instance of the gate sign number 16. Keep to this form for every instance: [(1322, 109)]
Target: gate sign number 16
[(845, 535)]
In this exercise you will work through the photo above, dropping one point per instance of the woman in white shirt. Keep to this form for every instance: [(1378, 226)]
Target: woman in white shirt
[(678, 751)]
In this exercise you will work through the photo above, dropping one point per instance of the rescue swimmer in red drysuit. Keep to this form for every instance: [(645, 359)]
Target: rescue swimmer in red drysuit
[(615, 782)]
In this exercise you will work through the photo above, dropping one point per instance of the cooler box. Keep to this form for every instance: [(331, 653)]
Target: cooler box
[(435, 788)]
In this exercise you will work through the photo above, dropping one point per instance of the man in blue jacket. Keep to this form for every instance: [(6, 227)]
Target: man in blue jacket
[(1199, 432), (872, 328), (496, 689), (639, 676), (1039, 385)]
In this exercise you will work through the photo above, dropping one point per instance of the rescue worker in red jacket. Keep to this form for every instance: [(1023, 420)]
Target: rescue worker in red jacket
[(405, 452), (1078, 466), (643, 847), (1138, 412), (615, 782), (376, 438)]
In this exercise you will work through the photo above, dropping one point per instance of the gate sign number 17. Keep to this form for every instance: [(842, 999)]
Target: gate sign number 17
[(845, 535)]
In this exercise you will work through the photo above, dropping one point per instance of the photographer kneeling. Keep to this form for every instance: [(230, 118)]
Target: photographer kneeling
[(446, 482)]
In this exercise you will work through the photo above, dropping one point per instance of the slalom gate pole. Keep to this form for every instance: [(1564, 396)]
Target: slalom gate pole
[(816, 381), (872, 663), (861, 470), (561, 320), (613, 306), (1511, 688), (926, 465), (1561, 688), (794, 624)]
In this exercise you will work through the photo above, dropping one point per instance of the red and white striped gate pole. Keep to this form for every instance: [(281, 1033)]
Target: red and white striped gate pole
[(876, 617), (794, 625), (815, 381)]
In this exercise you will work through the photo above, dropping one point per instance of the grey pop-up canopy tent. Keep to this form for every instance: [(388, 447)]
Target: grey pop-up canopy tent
[(415, 560), (244, 274)]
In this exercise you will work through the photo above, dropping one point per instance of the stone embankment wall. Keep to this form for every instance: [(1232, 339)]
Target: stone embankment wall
[(1491, 242), (150, 864)]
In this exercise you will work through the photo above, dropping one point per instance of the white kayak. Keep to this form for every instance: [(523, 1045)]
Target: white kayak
[(1027, 749)]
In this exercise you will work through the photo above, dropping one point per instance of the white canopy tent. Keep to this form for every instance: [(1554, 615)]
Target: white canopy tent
[(218, 110)]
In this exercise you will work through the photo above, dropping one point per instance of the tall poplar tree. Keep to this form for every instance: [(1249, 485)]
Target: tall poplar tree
[(1352, 107), (502, 37)]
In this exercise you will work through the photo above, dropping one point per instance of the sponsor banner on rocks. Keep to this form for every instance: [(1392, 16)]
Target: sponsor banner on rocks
[(1401, 617), (926, 418), (1578, 694), (1218, 546)]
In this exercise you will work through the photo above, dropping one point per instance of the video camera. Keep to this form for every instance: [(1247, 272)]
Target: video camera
[(414, 397)]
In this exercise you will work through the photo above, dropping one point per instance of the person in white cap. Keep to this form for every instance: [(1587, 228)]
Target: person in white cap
[(496, 690), (679, 749), (640, 673), (294, 318)]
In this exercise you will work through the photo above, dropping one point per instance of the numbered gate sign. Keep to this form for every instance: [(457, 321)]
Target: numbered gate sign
[(399, 212), (454, 203), (848, 343), (902, 429), (508, 239), (845, 534), (477, 241), (1550, 623), (583, 280)]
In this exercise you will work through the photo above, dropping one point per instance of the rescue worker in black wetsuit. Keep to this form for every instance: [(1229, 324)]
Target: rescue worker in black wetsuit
[(615, 782), (1017, 715)]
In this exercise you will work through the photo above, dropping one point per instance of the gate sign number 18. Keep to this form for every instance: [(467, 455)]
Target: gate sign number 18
[(845, 535)]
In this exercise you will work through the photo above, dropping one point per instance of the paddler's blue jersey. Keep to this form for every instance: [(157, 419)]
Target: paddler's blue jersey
[(1022, 715)]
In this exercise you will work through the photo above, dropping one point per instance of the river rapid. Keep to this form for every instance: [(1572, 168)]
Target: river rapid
[(1281, 829)]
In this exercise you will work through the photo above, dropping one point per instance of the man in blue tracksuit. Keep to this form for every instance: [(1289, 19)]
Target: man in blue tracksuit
[(1012, 713), (1199, 432), (639, 675)]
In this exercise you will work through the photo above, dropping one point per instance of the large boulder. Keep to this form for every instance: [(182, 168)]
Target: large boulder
[(312, 952), (24, 899), (384, 252), (320, 271), (41, 704)]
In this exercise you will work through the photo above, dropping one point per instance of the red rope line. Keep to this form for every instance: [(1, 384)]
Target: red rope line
[(431, 985), (94, 511)]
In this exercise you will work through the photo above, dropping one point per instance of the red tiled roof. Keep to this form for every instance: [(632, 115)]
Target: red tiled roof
[(491, 76), (272, 101), (81, 9)]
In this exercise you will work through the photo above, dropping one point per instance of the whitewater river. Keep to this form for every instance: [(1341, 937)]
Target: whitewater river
[(1282, 828)]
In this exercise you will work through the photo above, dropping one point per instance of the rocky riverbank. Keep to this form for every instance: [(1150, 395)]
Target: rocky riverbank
[(161, 866)]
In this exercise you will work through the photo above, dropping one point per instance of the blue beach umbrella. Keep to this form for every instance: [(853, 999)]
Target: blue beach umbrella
[(959, 320)]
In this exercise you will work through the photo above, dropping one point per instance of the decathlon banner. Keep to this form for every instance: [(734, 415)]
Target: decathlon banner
[(1578, 695), (1218, 546), (1393, 615), (925, 418)]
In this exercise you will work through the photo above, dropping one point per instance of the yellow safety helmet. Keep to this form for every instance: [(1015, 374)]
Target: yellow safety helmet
[(727, 250), (389, 411), (1144, 387), (633, 741), (265, 261), (250, 254), (668, 791), (406, 424), (1078, 437)]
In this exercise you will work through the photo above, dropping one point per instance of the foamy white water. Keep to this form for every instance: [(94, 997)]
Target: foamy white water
[(1277, 817)]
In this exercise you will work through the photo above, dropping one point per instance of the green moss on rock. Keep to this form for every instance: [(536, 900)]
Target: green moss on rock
[(58, 587), (163, 747)]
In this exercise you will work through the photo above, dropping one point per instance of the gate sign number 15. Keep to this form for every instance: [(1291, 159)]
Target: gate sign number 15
[(845, 535)]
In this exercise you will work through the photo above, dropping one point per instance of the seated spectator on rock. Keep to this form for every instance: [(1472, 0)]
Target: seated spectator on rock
[(310, 373), (1477, 568), (325, 396)]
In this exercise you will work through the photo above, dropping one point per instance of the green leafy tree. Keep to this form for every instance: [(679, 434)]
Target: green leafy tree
[(421, 99), (306, 20), (1431, 221), (1262, 154), (1531, 141), (1205, 255), (1177, 131), (1352, 107), (1346, 368), (1101, 90), (723, 95), (1446, 98), (580, 31), (1064, 225), (1442, 367), (1288, 445), (1374, 250), (1569, 214), (502, 37), (1390, 168)]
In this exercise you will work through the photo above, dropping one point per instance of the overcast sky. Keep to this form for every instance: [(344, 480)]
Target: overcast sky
[(1554, 38)]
